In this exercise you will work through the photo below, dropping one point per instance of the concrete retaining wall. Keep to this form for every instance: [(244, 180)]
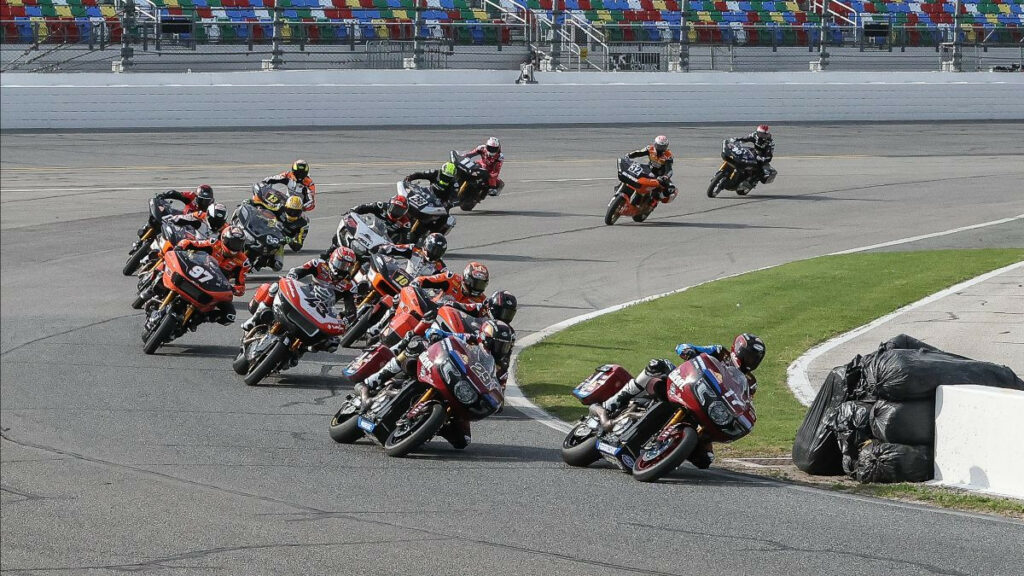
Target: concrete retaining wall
[(398, 98), (978, 434)]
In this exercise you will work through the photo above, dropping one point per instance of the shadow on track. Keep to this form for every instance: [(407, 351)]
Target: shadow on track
[(516, 258), (439, 450), (716, 225)]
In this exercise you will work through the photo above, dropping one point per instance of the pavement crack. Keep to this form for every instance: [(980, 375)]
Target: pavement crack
[(68, 331), (776, 546)]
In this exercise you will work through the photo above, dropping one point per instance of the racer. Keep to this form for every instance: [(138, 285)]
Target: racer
[(215, 216), (394, 213), (298, 181), (294, 224), (426, 260), (491, 159), (229, 252), (660, 159), (197, 200), (746, 354), (443, 182), (764, 150), (467, 288)]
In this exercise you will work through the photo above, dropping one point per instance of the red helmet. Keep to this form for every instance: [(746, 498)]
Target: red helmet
[(342, 262), (399, 207), (233, 239), (475, 278), (747, 351), (492, 147)]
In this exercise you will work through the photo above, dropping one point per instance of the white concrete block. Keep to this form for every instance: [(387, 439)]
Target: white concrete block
[(979, 439)]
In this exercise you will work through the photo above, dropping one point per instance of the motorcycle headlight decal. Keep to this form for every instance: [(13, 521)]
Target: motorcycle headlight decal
[(719, 413), (450, 374), (465, 392)]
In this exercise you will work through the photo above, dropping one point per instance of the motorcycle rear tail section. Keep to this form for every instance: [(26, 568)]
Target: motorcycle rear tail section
[(262, 296), (367, 363), (602, 384)]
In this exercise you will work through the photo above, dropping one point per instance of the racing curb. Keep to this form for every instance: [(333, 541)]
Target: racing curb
[(796, 373)]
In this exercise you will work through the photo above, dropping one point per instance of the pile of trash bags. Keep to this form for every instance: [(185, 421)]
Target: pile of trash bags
[(874, 418)]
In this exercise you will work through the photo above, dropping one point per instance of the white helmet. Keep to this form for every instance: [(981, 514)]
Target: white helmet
[(661, 144), (493, 147)]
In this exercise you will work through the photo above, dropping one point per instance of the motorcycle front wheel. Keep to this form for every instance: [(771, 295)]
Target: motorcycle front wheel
[(611, 215), (659, 457), (717, 182), (356, 331), (264, 367), (580, 450), (161, 333), (409, 435)]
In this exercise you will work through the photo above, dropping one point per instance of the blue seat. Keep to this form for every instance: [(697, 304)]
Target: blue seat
[(34, 11), (369, 32)]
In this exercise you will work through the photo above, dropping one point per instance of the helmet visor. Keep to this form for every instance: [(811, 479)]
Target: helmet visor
[(397, 210), (293, 214), (475, 286), (500, 346), (493, 150), (234, 243)]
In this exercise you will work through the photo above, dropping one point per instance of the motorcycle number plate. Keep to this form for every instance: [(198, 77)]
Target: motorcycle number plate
[(608, 448), (365, 424)]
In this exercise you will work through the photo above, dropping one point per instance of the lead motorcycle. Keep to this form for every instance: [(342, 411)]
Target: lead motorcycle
[(634, 195), (702, 398), (303, 319), (739, 171), (472, 178)]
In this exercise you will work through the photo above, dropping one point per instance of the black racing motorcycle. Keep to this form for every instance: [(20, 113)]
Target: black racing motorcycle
[(472, 179), (263, 235), (158, 208), (427, 212), (739, 171)]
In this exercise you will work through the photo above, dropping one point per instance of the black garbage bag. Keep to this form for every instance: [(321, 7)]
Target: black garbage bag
[(851, 424), (915, 374), (815, 449), (911, 422), (886, 463), (905, 342)]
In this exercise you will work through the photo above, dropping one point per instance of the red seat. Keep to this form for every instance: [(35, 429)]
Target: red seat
[(585, 5), (671, 6), (753, 17), (647, 4), (366, 4)]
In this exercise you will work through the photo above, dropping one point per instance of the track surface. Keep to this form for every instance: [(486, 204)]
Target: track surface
[(114, 461)]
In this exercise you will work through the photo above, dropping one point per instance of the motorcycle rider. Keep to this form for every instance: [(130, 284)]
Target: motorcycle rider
[(659, 158), (229, 251), (466, 288), (394, 213), (294, 223), (298, 182), (764, 150), (496, 337), (430, 256), (335, 274), (746, 354), (195, 200), (443, 182), (215, 216), (491, 158)]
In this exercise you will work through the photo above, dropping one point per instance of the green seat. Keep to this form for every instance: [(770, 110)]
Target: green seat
[(597, 4), (380, 4), (462, 4), (717, 17), (387, 13), (533, 4), (79, 11), (185, 4), (214, 3), (48, 10)]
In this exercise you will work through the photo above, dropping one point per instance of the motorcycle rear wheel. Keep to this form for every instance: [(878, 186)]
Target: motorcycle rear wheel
[(264, 367), (667, 459), (241, 363), (135, 259), (717, 183), (611, 215), (408, 436), (161, 333), (344, 428), (580, 451)]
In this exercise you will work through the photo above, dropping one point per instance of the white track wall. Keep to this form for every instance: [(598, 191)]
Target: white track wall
[(978, 435), (445, 98)]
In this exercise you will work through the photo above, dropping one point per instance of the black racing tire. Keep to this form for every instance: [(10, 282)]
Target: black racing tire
[(356, 331), (406, 438), (241, 363), (344, 428), (645, 470), (611, 215), (580, 451), (271, 360), (717, 182), (641, 216), (161, 333), (138, 303), (132, 265), (467, 205)]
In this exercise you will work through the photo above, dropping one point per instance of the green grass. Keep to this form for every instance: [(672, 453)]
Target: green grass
[(792, 307), (940, 496)]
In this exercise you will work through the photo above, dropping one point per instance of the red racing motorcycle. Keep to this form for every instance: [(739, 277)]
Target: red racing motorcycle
[(651, 436)]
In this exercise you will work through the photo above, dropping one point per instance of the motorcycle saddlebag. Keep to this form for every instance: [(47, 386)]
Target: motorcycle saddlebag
[(262, 296), (602, 384), (368, 363)]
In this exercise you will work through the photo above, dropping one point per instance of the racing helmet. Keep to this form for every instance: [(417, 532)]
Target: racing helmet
[(497, 337), (503, 305), (661, 144), (492, 147), (216, 215), (342, 262), (434, 246), (398, 207), (474, 279), (300, 168), (204, 196), (762, 137), (233, 239), (293, 209), (446, 176), (747, 351)]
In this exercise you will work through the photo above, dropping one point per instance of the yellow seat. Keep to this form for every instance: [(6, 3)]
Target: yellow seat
[(403, 14), (1004, 8), (660, 5), (16, 3), (481, 15), (692, 35), (63, 11), (172, 3)]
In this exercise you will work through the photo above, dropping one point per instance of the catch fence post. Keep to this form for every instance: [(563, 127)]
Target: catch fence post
[(124, 62)]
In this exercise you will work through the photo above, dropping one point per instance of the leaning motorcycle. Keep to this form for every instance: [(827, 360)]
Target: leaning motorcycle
[(634, 195), (651, 436), (386, 278), (263, 234), (427, 212), (195, 285), (472, 178), (739, 171), (150, 268), (363, 233), (158, 208)]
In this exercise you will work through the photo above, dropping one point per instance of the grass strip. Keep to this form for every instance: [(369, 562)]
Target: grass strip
[(792, 307)]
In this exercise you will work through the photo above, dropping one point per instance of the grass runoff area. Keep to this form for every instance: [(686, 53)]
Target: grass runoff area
[(792, 307)]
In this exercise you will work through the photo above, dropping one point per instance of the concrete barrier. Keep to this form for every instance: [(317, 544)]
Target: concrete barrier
[(978, 436), (364, 98)]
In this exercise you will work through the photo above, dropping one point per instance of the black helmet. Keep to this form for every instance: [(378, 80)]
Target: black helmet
[(204, 196), (747, 351), (498, 338), (216, 215), (503, 306), (434, 246), (300, 169), (233, 239)]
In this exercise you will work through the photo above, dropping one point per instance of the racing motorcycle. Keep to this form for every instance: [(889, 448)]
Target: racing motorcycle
[(657, 431), (303, 318), (634, 195), (739, 171), (363, 233), (266, 196), (427, 212), (472, 178), (386, 278), (170, 234), (413, 311), (195, 285), (158, 208), (263, 234), (455, 383)]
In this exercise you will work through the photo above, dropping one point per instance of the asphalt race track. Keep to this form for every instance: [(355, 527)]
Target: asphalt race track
[(116, 462)]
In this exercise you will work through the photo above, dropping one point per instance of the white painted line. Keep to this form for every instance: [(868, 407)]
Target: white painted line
[(796, 373), (926, 236)]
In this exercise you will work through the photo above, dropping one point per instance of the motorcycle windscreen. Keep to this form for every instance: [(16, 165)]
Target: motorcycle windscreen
[(315, 304), (477, 367), (198, 277)]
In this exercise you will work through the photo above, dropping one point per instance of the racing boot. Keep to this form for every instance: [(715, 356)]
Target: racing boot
[(377, 380), (703, 455), (256, 317)]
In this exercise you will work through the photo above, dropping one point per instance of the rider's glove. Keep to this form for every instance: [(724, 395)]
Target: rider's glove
[(434, 335), (686, 351), (292, 275), (659, 367), (430, 315)]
